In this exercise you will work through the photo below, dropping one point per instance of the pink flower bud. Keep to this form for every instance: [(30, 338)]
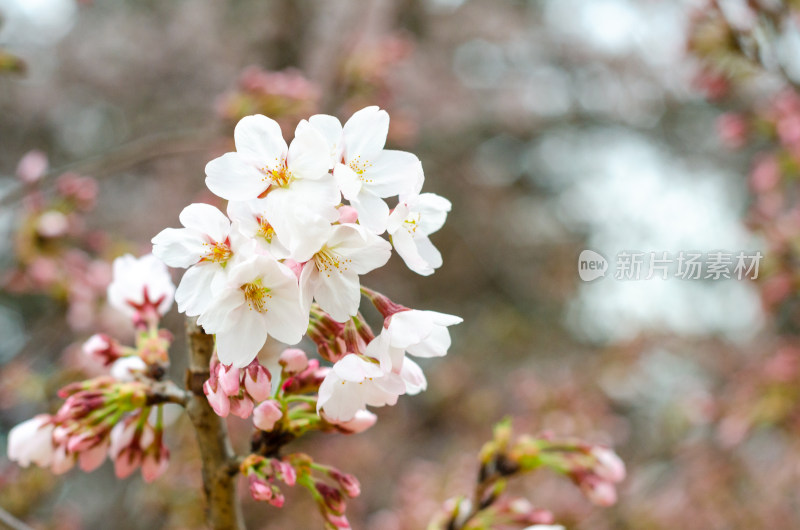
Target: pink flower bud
[(126, 462), (218, 400), (266, 415), (229, 377), (62, 461), (293, 360), (32, 166), (260, 490), (347, 214), (257, 382), (609, 466), (284, 471), (334, 501), (153, 466), (91, 459), (599, 491), (242, 407), (347, 482), (338, 521)]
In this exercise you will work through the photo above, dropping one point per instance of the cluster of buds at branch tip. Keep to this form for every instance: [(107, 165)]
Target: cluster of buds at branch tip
[(136, 443), (262, 472), (232, 390), (329, 487), (595, 469)]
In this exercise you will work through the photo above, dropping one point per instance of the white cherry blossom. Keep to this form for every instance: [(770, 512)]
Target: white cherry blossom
[(32, 441), (205, 245), (139, 284), (261, 298), (420, 333), (331, 276), (289, 178), (355, 382), (410, 224), (369, 172)]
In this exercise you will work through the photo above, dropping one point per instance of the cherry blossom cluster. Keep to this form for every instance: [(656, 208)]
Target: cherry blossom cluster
[(304, 221), (595, 469), (119, 415)]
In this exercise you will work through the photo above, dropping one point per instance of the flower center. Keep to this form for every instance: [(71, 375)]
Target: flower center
[(279, 176), (256, 295), (217, 252), (328, 260), (360, 168), (265, 230), (411, 223)]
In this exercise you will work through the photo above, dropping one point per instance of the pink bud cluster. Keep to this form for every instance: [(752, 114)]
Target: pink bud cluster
[(284, 95), (597, 477), (55, 253), (236, 391), (329, 487), (100, 417), (262, 472), (136, 443)]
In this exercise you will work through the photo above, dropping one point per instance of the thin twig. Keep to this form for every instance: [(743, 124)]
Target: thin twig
[(126, 156), (12, 522)]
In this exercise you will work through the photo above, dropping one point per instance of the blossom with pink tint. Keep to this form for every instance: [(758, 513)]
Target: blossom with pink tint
[(129, 368), (261, 298), (32, 442), (732, 130), (293, 360), (205, 246), (331, 277), (355, 382), (409, 225), (369, 173), (102, 349), (266, 414), (32, 166), (362, 420), (141, 289), (217, 397)]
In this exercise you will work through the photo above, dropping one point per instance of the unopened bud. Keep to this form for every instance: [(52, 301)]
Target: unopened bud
[(266, 415), (293, 360)]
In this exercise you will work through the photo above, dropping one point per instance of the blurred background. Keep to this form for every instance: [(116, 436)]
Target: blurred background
[(552, 126)]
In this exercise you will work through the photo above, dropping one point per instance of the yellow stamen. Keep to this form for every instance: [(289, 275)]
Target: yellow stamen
[(256, 295)]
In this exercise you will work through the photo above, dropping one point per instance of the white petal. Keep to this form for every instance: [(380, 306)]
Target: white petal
[(179, 247), (309, 156), (373, 213), (206, 219), (259, 141), (435, 345), (331, 128), (365, 133), (338, 294), (393, 173), (365, 250), (194, 293), (233, 179), (353, 368), (433, 211), (413, 377), (348, 181), (241, 343), (406, 247)]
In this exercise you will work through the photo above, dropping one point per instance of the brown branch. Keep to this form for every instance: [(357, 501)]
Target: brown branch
[(219, 473)]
